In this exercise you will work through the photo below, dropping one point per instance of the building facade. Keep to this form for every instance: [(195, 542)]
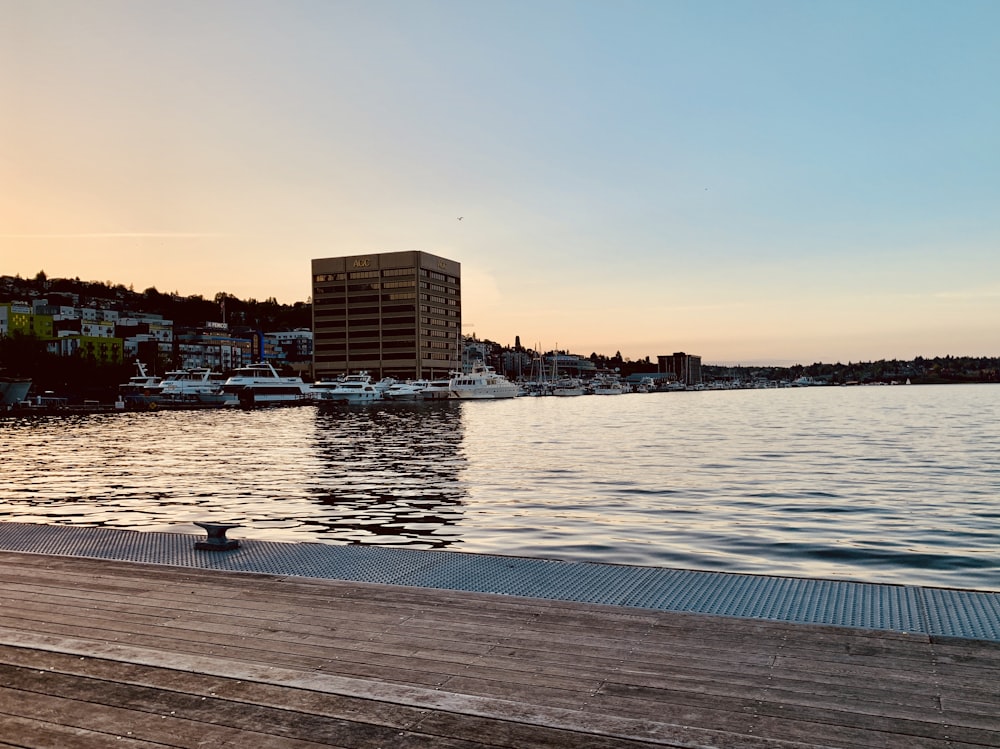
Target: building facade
[(21, 318), (685, 367), (212, 345), (294, 345), (393, 314)]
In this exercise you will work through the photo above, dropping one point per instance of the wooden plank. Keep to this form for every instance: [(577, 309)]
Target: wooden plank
[(296, 660), (207, 634), (156, 722), (212, 686), (312, 702), (30, 732)]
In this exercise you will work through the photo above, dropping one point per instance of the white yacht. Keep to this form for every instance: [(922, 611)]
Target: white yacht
[(385, 383), (142, 389), (482, 382), (196, 385), (261, 383), (567, 386), (353, 389), (646, 385), (606, 385), (437, 390), (408, 390)]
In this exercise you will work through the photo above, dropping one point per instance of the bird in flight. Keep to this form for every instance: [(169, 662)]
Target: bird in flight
[(461, 217)]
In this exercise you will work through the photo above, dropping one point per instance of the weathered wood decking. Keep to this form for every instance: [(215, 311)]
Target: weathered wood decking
[(97, 653)]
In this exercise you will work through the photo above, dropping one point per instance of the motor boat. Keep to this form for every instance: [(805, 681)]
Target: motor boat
[(196, 385), (353, 389), (483, 382), (437, 390), (261, 383), (13, 390), (142, 390), (408, 390), (567, 386)]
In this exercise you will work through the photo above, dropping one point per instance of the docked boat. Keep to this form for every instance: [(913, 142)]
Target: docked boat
[(646, 385), (409, 390), (533, 389), (482, 383), (437, 390), (567, 386), (199, 385), (356, 389), (142, 390), (261, 383), (13, 390), (606, 385), (385, 383)]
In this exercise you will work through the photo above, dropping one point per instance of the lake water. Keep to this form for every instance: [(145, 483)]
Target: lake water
[(881, 484)]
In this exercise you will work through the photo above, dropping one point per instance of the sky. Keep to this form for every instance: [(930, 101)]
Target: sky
[(759, 181)]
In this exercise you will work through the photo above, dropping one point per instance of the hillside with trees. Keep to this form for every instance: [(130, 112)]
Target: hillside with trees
[(26, 356)]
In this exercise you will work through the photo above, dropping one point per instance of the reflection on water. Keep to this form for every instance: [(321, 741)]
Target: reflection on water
[(882, 484), (366, 475), (390, 473)]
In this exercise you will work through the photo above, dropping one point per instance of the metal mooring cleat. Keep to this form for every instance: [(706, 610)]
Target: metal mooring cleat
[(217, 540)]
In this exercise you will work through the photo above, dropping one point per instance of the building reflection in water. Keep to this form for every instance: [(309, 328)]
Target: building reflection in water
[(390, 474)]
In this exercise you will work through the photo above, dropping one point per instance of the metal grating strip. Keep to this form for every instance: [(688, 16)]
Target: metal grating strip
[(932, 611), (962, 613)]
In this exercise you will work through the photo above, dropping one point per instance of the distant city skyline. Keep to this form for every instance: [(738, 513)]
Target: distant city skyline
[(771, 182)]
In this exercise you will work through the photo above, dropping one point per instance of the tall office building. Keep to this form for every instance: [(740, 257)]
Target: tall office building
[(686, 367), (394, 314)]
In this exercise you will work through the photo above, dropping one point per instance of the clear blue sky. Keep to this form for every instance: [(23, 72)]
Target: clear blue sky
[(749, 181)]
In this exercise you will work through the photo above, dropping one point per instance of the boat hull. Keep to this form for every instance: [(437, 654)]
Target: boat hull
[(482, 383), (484, 393), (13, 390), (255, 396), (434, 394), (350, 399)]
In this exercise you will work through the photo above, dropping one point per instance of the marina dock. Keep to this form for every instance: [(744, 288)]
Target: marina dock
[(111, 637)]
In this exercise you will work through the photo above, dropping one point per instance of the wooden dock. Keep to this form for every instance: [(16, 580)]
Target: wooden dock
[(98, 653)]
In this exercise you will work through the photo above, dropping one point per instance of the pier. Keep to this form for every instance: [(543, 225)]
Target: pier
[(140, 640)]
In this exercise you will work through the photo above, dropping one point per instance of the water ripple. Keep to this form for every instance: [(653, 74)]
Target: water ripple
[(886, 484)]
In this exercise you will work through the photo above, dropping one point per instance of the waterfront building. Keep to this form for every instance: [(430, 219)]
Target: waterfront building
[(214, 346), (146, 349), (475, 352), (44, 307), (101, 349), (5, 313), (295, 345), (393, 314), (151, 327), (148, 338), (516, 364), (21, 318), (685, 367), (569, 365), (63, 326)]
